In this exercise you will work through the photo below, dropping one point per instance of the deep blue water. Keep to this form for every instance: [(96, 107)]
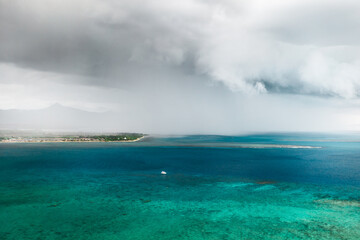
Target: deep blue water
[(211, 180), (336, 162)]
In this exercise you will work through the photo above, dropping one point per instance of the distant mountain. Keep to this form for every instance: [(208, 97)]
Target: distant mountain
[(55, 117)]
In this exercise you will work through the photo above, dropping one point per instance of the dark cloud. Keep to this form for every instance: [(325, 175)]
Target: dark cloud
[(237, 43), (101, 45)]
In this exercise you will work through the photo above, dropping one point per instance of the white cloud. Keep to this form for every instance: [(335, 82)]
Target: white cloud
[(297, 45)]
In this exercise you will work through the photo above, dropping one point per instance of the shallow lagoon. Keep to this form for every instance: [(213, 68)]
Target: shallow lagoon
[(213, 189)]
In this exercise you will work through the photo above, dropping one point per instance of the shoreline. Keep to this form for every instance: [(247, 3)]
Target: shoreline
[(74, 141)]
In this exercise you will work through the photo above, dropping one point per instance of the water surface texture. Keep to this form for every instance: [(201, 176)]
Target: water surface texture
[(216, 187)]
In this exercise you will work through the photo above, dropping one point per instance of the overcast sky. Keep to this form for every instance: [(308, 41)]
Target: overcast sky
[(190, 66)]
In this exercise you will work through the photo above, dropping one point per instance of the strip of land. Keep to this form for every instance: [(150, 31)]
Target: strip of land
[(134, 137)]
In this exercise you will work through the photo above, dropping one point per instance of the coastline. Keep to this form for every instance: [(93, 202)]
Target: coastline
[(71, 141)]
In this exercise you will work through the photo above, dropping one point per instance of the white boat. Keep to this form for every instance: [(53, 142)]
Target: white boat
[(163, 172)]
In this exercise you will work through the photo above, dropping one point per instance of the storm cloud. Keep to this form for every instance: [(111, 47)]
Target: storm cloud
[(243, 65)]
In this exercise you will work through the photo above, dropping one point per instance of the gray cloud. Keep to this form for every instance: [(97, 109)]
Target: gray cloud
[(303, 46), (182, 61), (107, 40)]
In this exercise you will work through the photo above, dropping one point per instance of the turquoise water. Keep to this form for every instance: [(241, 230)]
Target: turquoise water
[(216, 188)]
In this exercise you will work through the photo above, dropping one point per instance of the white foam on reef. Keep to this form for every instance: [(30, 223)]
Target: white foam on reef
[(275, 146), (247, 145)]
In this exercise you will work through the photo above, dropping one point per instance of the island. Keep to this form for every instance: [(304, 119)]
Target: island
[(115, 137)]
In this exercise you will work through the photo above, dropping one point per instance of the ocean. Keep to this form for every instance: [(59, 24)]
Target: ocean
[(264, 186)]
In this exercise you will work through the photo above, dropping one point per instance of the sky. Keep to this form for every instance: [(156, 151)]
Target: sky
[(190, 66)]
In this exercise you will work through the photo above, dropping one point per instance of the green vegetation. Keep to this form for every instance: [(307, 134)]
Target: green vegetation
[(114, 138)]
